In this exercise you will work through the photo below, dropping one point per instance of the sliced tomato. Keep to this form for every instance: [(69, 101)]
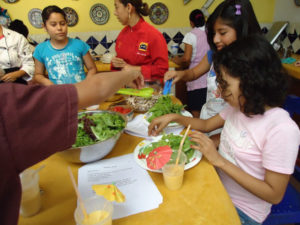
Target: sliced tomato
[(121, 109)]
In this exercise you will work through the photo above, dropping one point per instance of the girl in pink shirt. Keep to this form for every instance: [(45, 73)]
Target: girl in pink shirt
[(259, 141)]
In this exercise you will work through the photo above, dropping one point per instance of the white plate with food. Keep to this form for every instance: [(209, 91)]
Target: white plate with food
[(143, 149), (172, 124)]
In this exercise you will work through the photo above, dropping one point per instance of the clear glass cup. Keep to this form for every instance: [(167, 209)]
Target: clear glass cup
[(173, 173), (31, 197), (99, 211)]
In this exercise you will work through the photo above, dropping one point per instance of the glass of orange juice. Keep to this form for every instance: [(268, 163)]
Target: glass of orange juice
[(173, 172)]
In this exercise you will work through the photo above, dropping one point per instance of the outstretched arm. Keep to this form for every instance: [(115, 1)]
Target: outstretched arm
[(191, 74), (159, 123), (96, 89)]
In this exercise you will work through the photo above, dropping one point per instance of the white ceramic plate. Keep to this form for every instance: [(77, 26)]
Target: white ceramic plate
[(99, 14), (35, 18), (173, 125), (72, 16), (142, 162)]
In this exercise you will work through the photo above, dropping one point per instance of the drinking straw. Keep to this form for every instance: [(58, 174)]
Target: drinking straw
[(181, 143), (77, 193)]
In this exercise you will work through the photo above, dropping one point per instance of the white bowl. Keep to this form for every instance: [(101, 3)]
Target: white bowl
[(140, 104), (93, 152)]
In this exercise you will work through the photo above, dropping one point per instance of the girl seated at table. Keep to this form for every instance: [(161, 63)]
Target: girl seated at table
[(139, 45), (259, 141), (63, 57)]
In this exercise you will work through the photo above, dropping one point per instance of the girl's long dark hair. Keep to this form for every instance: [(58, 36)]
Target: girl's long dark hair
[(263, 81), (244, 23)]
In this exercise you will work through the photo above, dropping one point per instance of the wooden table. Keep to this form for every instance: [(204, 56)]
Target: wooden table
[(293, 70), (202, 200)]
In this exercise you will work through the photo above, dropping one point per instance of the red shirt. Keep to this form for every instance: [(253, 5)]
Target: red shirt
[(143, 45), (35, 122)]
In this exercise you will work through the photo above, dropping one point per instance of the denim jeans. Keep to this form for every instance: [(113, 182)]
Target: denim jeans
[(246, 220)]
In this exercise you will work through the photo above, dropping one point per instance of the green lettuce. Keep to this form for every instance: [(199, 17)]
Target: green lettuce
[(94, 127)]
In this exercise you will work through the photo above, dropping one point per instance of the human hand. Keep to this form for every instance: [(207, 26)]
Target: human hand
[(207, 147), (159, 123), (175, 75), (9, 77), (128, 67), (118, 62), (138, 82), (297, 63), (175, 59)]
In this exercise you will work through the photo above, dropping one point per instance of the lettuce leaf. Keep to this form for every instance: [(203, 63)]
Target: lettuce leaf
[(94, 127)]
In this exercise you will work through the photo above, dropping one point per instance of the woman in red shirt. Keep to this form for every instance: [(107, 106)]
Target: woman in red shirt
[(139, 45)]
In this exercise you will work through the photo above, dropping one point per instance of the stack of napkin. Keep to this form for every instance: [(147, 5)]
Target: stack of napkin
[(139, 127)]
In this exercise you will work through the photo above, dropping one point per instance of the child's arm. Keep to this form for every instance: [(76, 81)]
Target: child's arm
[(271, 189), (89, 64), (191, 74), (98, 88), (159, 123), (39, 74)]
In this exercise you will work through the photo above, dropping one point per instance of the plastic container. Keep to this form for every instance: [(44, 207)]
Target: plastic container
[(31, 197), (99, 212)]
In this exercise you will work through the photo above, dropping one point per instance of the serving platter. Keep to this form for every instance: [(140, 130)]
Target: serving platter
[(99, 14), (72, 16), (35, 18), (159, 13)]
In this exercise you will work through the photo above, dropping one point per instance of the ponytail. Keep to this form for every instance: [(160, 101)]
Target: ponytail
[(141, 8)]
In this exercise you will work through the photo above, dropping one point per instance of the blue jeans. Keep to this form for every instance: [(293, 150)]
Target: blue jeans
[(246, 220)]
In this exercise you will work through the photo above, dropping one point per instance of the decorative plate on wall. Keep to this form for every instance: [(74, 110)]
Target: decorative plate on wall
[(11, 1), (4, 21), (35, 18), (186, 1), (99, 14), (72, 16), (159, 13)]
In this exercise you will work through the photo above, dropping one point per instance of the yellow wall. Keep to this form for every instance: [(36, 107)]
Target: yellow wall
[(178, 12)]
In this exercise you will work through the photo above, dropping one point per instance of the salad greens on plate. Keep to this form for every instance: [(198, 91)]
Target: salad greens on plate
[(94, 127), (171, 140), (163, 106)]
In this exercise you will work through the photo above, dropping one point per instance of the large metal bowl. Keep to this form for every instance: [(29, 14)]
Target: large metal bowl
[(96, 151)]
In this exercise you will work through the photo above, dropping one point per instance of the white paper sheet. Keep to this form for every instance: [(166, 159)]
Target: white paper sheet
[(134, 182)]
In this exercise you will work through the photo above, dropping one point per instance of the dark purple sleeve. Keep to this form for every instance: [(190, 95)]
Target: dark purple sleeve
[(38, 121)]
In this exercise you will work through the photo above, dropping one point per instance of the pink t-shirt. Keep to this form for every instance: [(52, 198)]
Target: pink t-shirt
[(254, 144)]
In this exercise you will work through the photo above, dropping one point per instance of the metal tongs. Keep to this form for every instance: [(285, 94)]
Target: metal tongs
[(167, 87)]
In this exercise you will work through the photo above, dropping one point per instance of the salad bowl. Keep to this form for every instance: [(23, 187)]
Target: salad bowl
[(106, 130)]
